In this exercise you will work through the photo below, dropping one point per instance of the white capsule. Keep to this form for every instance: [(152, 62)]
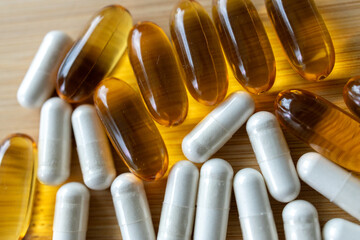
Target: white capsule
[(177, 214), (71, 212), (218, 127), (54, 142), (340, 229), (273, 155), (213, 200), (255, 214), (332, 181), (132, 208), (39, 81)]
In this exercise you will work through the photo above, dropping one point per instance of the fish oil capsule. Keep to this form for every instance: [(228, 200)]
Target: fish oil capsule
[(71, 212), (158, 74), (218, 127), (93, 148), (199, 50), (54, 142), (178, 210), (341, 229), (39, 81), (332, 181), (132, 208), (304, 37), (255, 214), (18, 161), (325, 127), (273, 156), (94, 54), (245, 44), (130, 129), (351, 95)]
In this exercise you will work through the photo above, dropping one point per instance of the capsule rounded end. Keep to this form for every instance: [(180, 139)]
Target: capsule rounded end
[(247, 177), (307, 163), (126, 182), (300, 211), (73, 192), (333, 229), (261, 119), (217, 168), (99, 181), (49, 176), (193, 150)]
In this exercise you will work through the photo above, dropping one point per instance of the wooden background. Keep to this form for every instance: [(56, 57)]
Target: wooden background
[(24, 23)]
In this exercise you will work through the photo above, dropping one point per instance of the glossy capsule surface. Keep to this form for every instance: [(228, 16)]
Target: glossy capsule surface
[(94, 54), (351, 95), (245, 44), (131, 129), (158, 74)]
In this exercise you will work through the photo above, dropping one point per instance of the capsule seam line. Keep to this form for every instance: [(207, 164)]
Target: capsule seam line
[(341, 187)]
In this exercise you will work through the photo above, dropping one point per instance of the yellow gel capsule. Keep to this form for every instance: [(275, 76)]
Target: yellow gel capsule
[(351, 95)]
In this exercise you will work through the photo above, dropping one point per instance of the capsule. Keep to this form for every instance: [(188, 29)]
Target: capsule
[(217, 127), (245, 43), (54, 142), (332, 181), (94, 54), (178, 210), (39, 81), (328, 129), (131, 129), (340, 229), (351, 95), (199, 49), (255, 214), (158, 74), (304, 37), (18, 161)]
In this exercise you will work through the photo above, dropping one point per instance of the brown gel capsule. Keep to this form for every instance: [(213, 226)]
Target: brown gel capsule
[(245, 44), (304, 37), (131, 130), (94, 54), (158, 74), (351, 95), (199, 49), (328, 129)]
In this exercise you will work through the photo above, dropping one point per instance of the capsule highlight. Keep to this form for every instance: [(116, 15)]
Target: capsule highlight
[(351, 94), (340, 229)]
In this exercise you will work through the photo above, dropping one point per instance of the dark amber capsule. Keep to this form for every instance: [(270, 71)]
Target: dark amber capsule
[(328, 129), (351, 95), (199, 49), (94, 54), (304, 37), (245, 43), (158, 74)]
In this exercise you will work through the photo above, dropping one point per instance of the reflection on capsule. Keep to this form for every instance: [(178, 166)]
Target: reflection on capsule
[(351, 95)]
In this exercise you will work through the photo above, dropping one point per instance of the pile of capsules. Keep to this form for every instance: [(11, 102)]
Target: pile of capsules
[(193, 200)]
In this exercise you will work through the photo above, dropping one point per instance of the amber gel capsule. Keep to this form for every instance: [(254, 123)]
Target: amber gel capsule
[(94, 54), (158, 74), (328, 129), (304, 37), (245, 44), (131, 130), (351, 95)]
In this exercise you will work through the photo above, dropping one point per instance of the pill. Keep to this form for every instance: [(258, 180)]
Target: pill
[(217, 127), (341, 229), (351, 95)]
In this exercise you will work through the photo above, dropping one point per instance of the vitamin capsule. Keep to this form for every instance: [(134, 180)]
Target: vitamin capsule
[(18, 160), (332, 181), (325, 127), (199, 49), (158, 74), (245, 44), (71, 212), (94, 54), (54, 142), (178, 210), (130, 129), (273, 156), (340, 229), (132, 208), (213, 200), (255, 214), (351, 95), (304, 37), (93, 148), (218, 127), (39, 81)]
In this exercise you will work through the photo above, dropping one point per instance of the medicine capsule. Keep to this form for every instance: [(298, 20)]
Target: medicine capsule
[(340, 229), (304, 37), (94, 54), (54, 142), (158, 74), (351, 95), (217, 127), (131, 129), (39, 81), (325, 127), (245, 44), (178, 210), (199, 50), (18, 161)]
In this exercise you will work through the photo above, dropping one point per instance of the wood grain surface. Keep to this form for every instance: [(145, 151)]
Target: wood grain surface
[(24, 23)]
